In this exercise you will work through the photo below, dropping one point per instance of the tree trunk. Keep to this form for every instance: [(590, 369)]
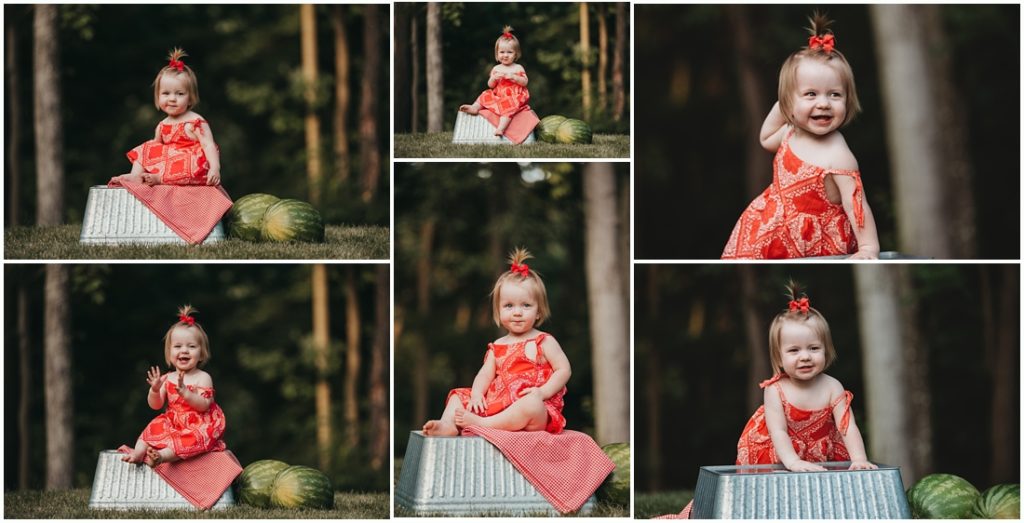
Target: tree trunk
[(435, 81), (414, 82), (401, 66), (652, 385), (618, 61), (759, 367), (307, 17), (48, 127), (602, 59), (757, 170), (342, 156), (14, 133), (585, 58), (379, 365), (321, 346), (25, 394), (421, 354), (609, 314), (1004, 366), (352, 363), (60, 439), (369, 151)]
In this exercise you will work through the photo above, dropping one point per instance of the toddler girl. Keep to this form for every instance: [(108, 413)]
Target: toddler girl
[(522, 381), (193, 423), (506, 94), (816, 192), (182, 151)]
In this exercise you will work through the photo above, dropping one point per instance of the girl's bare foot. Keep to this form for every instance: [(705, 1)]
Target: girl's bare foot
[(437, 427), (153, 457), (471, 109), (135, 456), (502, 125), (464, 417), (151, 179), (134, 178)]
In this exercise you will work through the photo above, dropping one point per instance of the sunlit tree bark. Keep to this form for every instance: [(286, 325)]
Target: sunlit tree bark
[(602, 59), (352, 360), (49, 131), (414, 50), (307, 19), (379, 365), (342, 93), (57, 377), (369, 150), (585, 57), (321, 346), (14, 133), (25, 388), (618, 61), (435, 78)]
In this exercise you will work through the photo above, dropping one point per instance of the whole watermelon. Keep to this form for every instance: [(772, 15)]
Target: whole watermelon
[(941, 496), (245, 219), (615, 488), (256, 480), (301, 487), (574, 131), (546, 127), (292, 220), (998, 502)]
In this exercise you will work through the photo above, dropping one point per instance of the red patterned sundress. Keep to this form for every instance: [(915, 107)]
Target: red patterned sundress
[(793, 217), (177, 158), (184, 429), (814, 433), (506, 98), (515, 372)]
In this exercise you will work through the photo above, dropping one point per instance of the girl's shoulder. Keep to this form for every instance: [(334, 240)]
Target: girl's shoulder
[(840, 153), (203, 378), (832, 385)]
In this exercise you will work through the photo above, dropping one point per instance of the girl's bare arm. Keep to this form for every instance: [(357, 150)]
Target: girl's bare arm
[(867, 236), (773, 129), (775, 418), (560, 366)]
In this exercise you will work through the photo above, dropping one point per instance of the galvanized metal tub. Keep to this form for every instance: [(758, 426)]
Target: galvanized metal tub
[(114, 217), (772, 492), (884, 255), (123, 486), (474, 129), (466, 475)]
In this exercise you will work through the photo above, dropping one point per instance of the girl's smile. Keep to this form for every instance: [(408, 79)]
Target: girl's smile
[(174, 98), (803, 352), (506, 55), (518, 308), (819, 105), (186, 349)]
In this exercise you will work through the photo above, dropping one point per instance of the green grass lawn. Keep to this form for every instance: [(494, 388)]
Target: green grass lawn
[(74, 504), (661, 503), (439, 145), (343, 242)]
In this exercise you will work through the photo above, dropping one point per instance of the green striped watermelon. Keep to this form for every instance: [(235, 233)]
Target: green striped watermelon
[(615, 488), (292, 220), (998, 502), (941, 496), (245, 219), (255, 481), (573, 131), (301, 487), (546, 127)]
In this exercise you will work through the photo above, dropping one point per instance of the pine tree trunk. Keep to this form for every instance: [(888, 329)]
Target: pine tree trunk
[(369, 150), (57, 376), (307, 17), (342, 93), (421, 354), (402, 33), (602, 59), (25, 388), (618, 61), (756, 165), (48, 127), (379, 365), (609, 314), (759, 368), (14, 134), (352, 360), (1004, 366), (435, 79), (321, 346), (585, 58), (414, 82)]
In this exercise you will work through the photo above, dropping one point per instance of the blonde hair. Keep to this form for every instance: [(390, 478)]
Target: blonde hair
[(813, 319), (204, 340), (540, 294), (511, 40), (186, 74), (833, 58)]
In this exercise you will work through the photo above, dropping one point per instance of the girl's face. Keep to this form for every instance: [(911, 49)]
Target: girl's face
[(186, 348), (506, 53), (803, 351), (517, 307), (174, 99), (819, 104)]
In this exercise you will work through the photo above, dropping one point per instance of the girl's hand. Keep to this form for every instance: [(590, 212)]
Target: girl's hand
[(476, 403), (213, 177), (154, 379), (181, 383), (864, 254), (529, 390), (862, 465), (804, 466)]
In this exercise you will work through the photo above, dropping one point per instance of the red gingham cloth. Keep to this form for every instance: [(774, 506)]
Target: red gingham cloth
[(519, 128), (566, 468), (202, 479), (191, 211)]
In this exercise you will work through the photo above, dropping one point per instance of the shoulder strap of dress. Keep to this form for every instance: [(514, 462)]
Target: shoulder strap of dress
[(774, 380), (197, 125), (539, 340), (844, 421), (858, 193)]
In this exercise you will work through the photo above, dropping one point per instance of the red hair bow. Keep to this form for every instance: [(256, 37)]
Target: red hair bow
[(803, 305), (507, 35), (183, 318), (826, 43), (177, 64), (520, 268)]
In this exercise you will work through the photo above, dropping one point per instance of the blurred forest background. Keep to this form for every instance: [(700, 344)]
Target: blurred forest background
[(299, 362), (930, 352), (575, 54), (938, 142), (297, 97), (455, 225)]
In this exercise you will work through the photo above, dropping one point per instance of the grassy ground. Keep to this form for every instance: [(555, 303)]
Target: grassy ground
[(61, 243), (661, 503), (439, 145), (74, 504)]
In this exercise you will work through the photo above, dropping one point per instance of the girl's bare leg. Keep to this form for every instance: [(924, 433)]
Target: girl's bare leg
[(471, 109), (446, 425), (155, 457), (138, 454), (134, 176), (502, 125), (527, 413)]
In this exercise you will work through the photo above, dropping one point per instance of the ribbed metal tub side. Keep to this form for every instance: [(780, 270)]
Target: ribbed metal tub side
[(114, 217), (475, 129), (123, 486)]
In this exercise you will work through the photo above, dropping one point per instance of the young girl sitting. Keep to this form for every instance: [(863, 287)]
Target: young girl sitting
[(193, 423), (816, 192), (506, 94), (522, 381), (182, 151)]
